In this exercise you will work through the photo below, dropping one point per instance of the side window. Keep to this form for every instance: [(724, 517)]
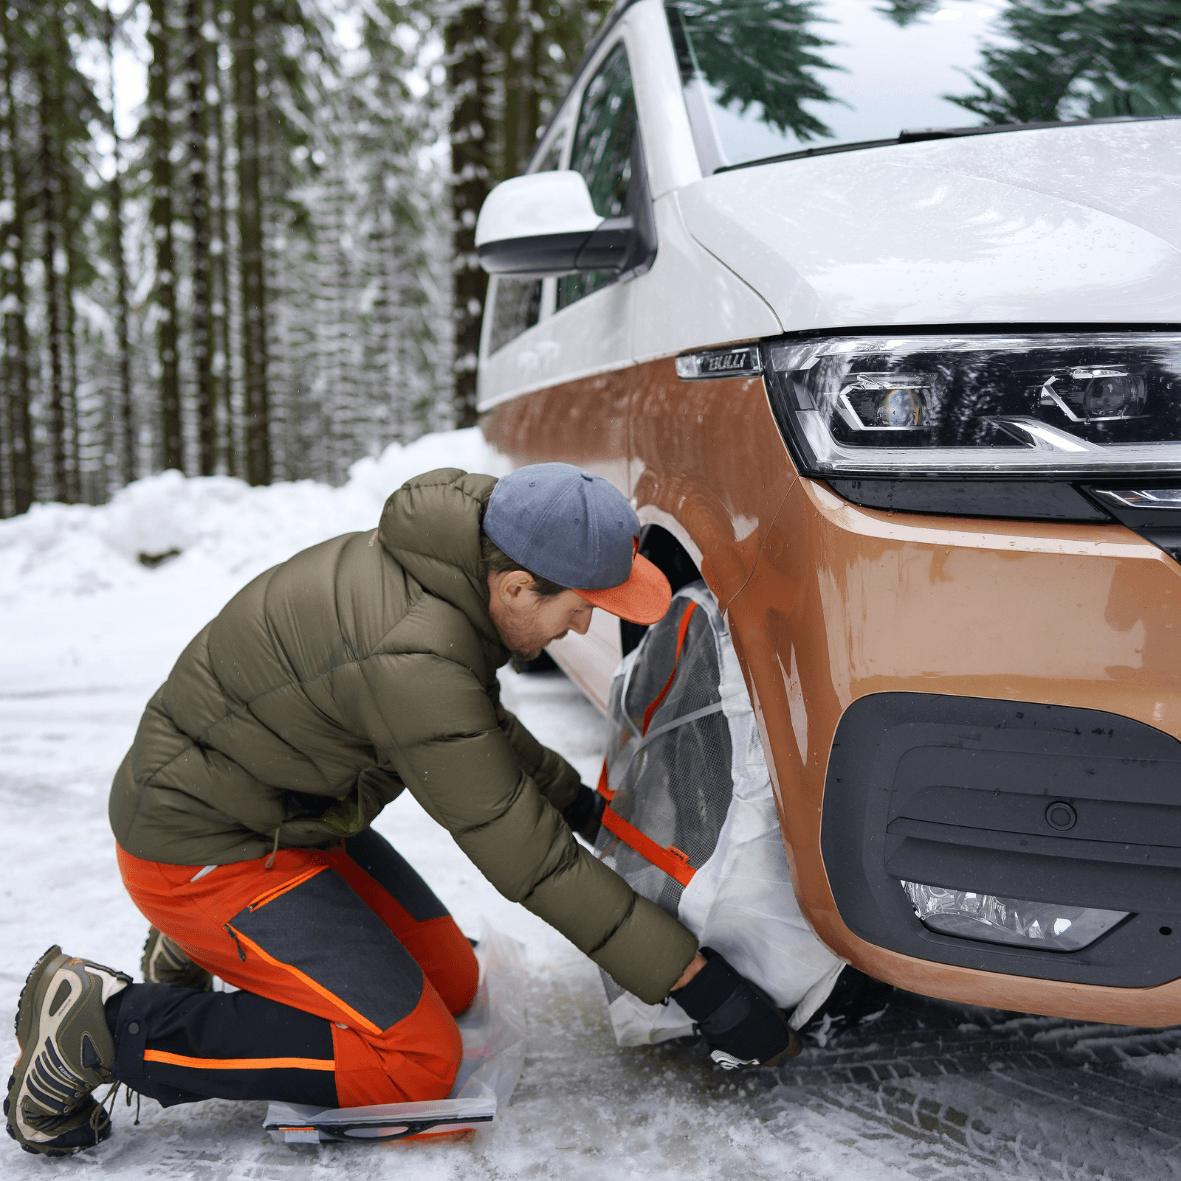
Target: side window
[(602, 152), (517, 309), (552, 160), (517, 306)]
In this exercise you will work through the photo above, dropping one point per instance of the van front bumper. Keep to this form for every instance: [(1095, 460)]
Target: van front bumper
[(927, 687)]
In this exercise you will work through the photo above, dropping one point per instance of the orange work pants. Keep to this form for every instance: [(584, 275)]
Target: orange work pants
[(351, 971)]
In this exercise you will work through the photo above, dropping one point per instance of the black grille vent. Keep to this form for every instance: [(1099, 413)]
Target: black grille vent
[(1040, 802)]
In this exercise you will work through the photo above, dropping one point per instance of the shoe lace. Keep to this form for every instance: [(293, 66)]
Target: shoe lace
[(106, 1109)]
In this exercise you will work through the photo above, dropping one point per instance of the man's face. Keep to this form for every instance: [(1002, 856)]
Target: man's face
[(527, 621)]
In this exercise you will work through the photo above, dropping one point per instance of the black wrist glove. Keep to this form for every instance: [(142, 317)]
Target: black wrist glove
[(740, 1024), (586, 813)]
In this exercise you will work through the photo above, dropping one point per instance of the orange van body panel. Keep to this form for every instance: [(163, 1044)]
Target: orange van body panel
[(581, 422), (829, 602)]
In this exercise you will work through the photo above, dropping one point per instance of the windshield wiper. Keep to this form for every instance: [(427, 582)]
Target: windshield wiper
[(917, 136), (927, 133)]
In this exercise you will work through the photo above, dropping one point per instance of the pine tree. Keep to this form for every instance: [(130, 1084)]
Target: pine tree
[(15, 230), (52, 258), (221, 310), (125, 409), (509, 63), (540, 43), (196, 55), (251, 261), (467, 40), (299, 73), (159, 137), (397, 204), (1057, 59)]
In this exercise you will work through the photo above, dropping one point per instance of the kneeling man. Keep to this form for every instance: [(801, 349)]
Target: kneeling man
[(360, 668)]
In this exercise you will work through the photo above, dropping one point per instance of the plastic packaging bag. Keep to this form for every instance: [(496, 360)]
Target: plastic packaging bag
[(686, 768), (493, 1029)]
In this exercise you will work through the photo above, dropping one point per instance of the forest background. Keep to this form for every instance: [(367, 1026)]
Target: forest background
[(264, 266), (237, 236)]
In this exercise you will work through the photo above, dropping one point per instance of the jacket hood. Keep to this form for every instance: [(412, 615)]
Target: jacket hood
[(1067, 224), (431, 528)]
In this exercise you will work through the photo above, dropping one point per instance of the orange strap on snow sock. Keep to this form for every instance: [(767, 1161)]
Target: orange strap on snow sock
[(682, 631), (672, 861)]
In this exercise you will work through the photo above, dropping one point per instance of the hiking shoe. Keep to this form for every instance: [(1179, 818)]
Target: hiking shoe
[(165, 963), (66, 1050)]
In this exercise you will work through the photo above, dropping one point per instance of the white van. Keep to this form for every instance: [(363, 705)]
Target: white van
[(873, 308)]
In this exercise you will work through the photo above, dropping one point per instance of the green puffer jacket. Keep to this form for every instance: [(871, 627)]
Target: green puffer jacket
[(349, 672)]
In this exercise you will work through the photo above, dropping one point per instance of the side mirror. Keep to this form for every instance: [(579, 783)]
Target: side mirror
[(544, 224)]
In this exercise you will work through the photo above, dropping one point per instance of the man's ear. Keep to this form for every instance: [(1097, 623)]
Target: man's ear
[(510, 584)]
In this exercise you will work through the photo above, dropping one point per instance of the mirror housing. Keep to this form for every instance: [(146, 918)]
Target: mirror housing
[(544, 224)]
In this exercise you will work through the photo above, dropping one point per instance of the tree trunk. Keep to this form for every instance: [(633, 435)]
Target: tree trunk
[(16, 332), (160, 214), (73, 418), (126, 408), (198, 185), (51, 251), (532, 99), (223, 387), (512, 29), (467, 76), (250, 243)]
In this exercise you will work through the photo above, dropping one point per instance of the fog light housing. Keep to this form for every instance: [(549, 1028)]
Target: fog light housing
[(1050, 926)]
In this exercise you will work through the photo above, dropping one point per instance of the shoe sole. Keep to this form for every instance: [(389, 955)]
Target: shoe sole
[(23, 1027), (26, 1017)]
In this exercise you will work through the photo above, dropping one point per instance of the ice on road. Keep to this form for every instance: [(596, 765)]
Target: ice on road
[(933, 1091)]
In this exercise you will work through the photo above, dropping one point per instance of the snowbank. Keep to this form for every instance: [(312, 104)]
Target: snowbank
[(81, 612), (221, 528)]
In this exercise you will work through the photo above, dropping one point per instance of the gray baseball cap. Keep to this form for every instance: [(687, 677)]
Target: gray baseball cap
[(577, 530)]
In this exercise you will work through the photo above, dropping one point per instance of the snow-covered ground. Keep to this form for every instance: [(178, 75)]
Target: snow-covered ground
[(86, 634)]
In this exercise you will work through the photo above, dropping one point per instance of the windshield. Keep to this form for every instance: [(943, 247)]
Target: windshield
[(770, 77)]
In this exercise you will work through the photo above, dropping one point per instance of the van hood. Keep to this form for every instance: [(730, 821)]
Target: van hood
[(1062, 225)]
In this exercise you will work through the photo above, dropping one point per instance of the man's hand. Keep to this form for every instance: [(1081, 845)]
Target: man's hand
[(741, 1025), (695, 965), (586, 813)]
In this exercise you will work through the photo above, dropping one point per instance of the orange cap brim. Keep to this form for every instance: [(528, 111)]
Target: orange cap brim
[(644, 598)]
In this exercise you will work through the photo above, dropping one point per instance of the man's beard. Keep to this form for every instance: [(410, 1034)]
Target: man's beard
[(533, 655)]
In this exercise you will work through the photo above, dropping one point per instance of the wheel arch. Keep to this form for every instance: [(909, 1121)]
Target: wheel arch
[(667, 553)]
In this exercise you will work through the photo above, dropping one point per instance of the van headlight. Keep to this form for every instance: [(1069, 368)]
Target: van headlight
[(1068, 403)]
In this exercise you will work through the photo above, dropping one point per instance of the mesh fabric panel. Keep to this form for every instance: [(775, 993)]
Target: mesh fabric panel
[(674, 786)]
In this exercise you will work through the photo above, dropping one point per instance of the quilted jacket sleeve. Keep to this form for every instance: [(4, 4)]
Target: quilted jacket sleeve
[(555, 778), (432, 720)]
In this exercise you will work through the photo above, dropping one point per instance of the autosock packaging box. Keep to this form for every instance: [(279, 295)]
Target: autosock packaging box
[(691, 821)]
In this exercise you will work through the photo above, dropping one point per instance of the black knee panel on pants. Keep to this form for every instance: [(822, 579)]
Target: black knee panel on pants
[(226, 1045)]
